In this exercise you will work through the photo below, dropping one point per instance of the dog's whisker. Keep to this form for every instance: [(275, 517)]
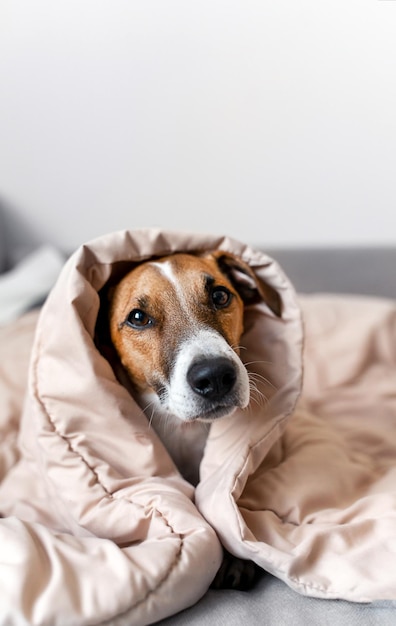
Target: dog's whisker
[(151, 412), (260, 377), (255, 380), (253, 385), (247, 363), (237, 347), (258, 397), (260, 401), (151, 407), (255, 376)]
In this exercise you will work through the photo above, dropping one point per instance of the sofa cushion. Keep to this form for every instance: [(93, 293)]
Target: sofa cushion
[(3, 251)]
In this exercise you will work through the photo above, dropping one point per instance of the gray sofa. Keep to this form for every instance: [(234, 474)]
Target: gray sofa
[(361, 270)]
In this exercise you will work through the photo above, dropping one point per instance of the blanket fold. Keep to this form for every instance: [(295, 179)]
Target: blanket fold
[(318, 510), (97, 524)]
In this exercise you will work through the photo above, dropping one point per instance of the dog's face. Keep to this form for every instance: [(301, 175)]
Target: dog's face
[(176, 324)]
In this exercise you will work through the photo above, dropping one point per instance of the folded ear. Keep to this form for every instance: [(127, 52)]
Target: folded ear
[(246, 283)]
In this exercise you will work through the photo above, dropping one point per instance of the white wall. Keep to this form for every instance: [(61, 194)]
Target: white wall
[(271, 121)]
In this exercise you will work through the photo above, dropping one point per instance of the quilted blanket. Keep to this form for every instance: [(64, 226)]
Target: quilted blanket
[(98, 527)]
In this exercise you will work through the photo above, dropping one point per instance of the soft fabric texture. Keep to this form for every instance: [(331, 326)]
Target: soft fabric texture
[(98, 526)]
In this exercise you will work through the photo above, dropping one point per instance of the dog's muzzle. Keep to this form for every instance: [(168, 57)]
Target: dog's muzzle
[(208, 379)]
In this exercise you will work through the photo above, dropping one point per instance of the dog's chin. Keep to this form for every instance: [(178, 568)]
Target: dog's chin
[(214, 414), (158, 404), (205, 414)]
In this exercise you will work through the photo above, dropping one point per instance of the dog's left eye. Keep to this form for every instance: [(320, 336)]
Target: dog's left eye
[(221, 297), (138, 319)]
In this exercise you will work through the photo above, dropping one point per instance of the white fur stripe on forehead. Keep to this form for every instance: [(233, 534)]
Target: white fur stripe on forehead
[(166, 269)]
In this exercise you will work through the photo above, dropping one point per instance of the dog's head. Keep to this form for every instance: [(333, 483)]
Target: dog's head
[(176, 324)]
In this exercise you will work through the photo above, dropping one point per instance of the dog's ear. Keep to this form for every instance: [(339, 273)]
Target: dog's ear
[(246, 283)]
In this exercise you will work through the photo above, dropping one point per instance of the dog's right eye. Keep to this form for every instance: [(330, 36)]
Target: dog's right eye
[(221, 297), (138, 319)]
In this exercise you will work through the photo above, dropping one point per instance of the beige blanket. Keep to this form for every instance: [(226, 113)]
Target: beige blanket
[(97, 525)]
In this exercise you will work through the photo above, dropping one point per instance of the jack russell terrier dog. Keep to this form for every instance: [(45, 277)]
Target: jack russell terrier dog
[(176, 324)]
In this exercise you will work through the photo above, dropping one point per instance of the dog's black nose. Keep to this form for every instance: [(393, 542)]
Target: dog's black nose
[(212, 378)]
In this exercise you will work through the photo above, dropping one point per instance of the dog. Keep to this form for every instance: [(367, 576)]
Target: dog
[(176, 324)]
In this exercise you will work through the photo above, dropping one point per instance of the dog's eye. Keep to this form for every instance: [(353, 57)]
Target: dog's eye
[(221, 297), (138, 319)]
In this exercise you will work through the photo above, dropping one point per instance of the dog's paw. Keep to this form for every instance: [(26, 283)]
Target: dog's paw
[(236, 573)]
